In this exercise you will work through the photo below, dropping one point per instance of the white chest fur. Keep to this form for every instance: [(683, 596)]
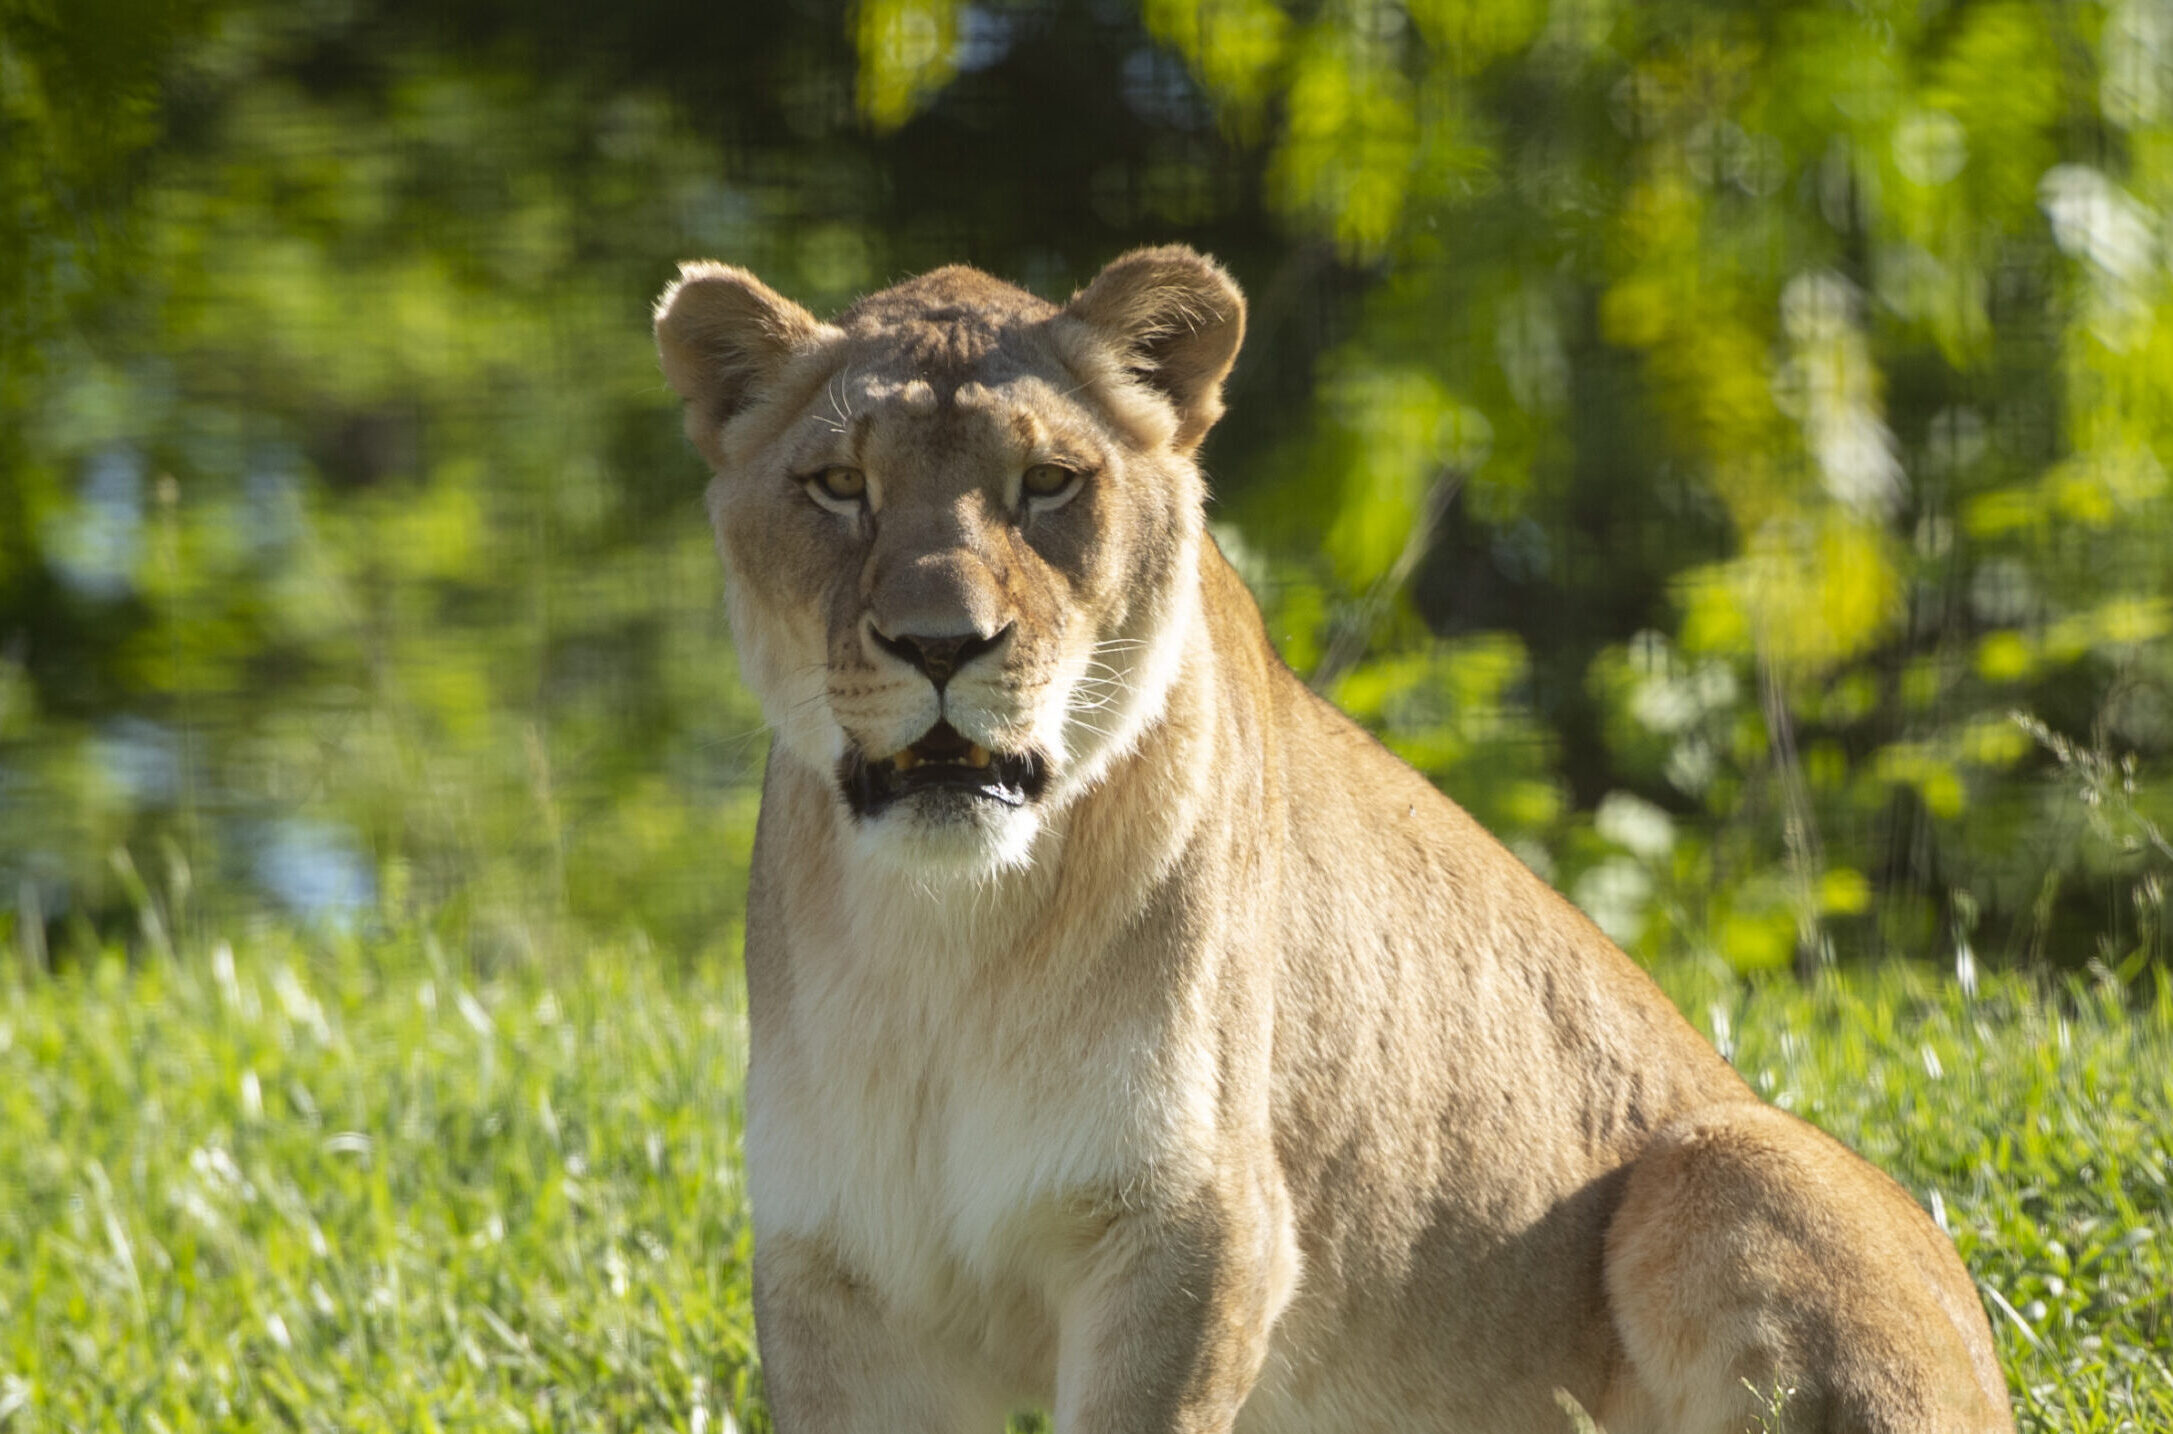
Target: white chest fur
[(946, 1099)]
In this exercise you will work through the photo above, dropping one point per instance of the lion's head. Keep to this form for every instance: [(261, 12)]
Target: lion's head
[(958, 526)]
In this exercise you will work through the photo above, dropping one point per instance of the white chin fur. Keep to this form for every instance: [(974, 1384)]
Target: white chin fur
[(951, 839)]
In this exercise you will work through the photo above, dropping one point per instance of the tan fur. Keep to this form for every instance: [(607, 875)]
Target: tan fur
[(1241, 1081)]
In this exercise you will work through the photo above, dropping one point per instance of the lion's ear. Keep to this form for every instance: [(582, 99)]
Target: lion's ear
[(720, 333), (1176, 319)]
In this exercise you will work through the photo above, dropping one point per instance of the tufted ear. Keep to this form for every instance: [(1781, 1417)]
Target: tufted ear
[(1176, 319), (721, 333)]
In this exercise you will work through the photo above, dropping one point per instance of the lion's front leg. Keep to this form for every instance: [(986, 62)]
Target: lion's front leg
[(834, 1363), (1165, 1331)]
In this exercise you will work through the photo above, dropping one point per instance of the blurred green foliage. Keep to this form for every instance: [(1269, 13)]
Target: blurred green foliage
[(1723, 444)]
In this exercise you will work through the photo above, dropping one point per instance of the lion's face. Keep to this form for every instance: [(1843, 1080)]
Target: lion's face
[(958, 527)]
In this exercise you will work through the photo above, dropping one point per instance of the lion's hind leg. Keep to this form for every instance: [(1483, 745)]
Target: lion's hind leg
[(1763, 1277)]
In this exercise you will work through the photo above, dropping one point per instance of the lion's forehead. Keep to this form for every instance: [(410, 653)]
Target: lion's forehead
[(992, 388), (988, 420)]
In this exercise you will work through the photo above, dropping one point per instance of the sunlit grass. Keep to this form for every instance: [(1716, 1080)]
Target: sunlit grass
[(371, 1190), (2035, 1120), (366, 1185)]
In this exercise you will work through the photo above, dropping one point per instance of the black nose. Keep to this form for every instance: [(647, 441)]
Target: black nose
[(938, 658)]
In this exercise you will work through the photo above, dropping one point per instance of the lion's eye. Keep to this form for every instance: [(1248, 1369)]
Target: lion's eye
[(838, 488), (1048, 484), (842, 483)]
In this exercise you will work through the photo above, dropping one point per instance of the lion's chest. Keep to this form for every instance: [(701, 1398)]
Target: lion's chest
[(943, 1131)]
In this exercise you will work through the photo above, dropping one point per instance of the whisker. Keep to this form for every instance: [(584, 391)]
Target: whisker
[(834, 391), (736, 742)]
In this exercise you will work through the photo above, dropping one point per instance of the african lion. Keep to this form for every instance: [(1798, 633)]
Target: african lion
[(1132, 1035)]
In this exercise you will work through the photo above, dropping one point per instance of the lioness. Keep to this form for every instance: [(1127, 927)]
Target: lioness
[(1132, 1035)]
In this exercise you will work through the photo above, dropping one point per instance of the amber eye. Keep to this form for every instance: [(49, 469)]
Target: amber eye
[(843, 482), (837, 487), (1048, 482)]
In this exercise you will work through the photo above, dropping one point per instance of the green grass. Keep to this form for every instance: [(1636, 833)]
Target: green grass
[(364, 1185), (2034, 1119), (371, 1191)]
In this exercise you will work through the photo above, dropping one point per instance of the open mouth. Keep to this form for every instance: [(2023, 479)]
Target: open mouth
[(941, 761)]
